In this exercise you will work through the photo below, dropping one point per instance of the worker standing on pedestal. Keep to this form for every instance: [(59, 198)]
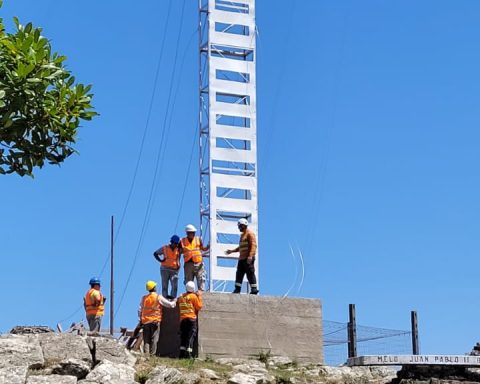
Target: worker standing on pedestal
[(94, 304), (150, 314), (169, 257), (192, 247), (246, 260), (190, 304)]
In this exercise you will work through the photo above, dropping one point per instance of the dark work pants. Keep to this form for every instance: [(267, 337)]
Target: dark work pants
[(188, 332), (151, 334), (94, 322), (249, 269)]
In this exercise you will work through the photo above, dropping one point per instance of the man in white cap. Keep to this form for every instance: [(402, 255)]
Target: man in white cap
[(192, 247), (246, 261), (190, 303)]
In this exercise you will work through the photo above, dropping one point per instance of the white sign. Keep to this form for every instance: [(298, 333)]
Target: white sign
[(464, 360)]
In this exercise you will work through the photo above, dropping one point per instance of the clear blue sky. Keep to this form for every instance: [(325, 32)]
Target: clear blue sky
[(368, 124)]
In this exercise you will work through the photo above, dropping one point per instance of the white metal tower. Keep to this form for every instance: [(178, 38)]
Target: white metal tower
[(228, 131)]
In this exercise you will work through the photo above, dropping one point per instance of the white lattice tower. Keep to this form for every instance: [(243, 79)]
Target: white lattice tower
[(228, 130)]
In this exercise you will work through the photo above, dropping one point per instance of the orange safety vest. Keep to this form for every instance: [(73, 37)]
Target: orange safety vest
[(244, 245), (191, 250), (187, 306), (89, 302), (171, 258), (151, 310)]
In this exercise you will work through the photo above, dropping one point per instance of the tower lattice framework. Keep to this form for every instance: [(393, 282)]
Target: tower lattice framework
[(228, 131)]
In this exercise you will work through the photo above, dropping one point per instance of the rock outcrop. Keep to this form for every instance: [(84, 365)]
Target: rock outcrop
[(40, 356), (18, 351), (58, 347), (46, 357), (108, 372)]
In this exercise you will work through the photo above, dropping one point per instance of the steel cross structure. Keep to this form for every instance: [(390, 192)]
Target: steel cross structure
[(228, 131)]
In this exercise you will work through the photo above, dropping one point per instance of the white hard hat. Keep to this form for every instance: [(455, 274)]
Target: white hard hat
[(243, 222), (190, 286), (190, 228)]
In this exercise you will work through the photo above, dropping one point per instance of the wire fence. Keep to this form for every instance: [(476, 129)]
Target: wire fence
[(370, 341)]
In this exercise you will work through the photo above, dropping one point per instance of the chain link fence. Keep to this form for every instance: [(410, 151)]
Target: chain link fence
[(370, 341)]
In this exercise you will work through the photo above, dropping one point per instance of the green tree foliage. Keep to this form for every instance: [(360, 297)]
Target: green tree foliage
[(41, 105)]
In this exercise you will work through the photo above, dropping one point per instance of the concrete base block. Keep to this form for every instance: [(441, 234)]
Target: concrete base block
[(169, 340), (235, 325)]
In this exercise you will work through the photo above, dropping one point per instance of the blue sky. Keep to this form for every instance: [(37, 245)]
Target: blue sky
[(368, 160)]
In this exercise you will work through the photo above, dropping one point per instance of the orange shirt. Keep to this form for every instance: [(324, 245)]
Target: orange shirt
[(171, 257), (94, 302), (248, 245), (150, 309), (190, 304), (192, 250)]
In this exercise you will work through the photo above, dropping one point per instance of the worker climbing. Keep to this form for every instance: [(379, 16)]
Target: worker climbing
[(94, 304), (169, 258), (190, 304), (150, 315), (246, 261), (192, 247)]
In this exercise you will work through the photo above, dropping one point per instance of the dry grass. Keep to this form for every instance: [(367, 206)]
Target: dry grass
[(146, 365)]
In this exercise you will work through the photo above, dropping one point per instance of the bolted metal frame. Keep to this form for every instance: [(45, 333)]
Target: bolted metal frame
[(227, 128)]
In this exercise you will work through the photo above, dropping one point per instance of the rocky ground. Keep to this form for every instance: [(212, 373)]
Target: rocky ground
[(69, 359)]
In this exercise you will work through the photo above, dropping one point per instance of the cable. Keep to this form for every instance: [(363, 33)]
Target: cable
[(170, 123), (300, 285), (147, 121), (142, 144), (270, 127), (320, 180), (72, 314), (186, 179), (144, 135), (157, 164), (295, 274)]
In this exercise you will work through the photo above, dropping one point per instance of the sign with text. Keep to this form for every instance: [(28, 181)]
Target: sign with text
[(464, 360)]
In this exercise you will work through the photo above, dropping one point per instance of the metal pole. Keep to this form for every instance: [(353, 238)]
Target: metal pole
[(111, 278), (415, 347), (352, 331)]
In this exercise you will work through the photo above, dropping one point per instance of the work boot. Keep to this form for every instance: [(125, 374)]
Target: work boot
[(254, 291), (237, 290)]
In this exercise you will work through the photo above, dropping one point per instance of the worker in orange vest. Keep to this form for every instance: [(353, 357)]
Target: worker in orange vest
[(246, 261), (190, 303), (94, 304), (192, 247), (150, 315), (169, 258)]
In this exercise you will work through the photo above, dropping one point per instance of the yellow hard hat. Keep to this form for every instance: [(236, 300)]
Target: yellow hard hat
[(150, 285)]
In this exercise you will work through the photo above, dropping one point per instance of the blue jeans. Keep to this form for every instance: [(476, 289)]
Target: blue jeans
[(169, 275)]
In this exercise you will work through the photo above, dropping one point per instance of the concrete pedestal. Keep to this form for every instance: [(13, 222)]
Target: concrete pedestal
[(169, 341), (234, 325)]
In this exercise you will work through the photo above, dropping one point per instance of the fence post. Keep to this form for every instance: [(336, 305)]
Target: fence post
[(415, 348), (352, 331)]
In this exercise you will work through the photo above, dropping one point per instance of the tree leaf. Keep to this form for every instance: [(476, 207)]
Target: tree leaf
[(41, 105)]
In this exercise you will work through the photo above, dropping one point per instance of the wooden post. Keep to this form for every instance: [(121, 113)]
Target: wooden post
[(352, 331), (415, 347), (112, 301)]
